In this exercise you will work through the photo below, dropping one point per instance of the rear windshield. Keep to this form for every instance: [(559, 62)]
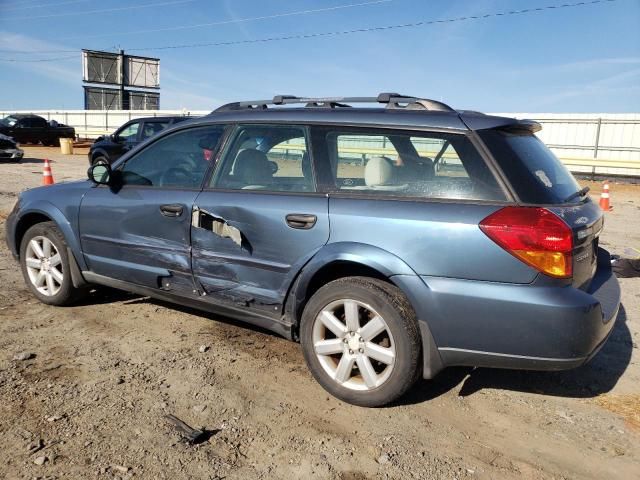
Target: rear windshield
[(533, 170)]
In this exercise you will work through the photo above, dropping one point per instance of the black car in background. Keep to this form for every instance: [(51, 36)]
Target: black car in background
[(29, 128), (9, 149), (109, 148)]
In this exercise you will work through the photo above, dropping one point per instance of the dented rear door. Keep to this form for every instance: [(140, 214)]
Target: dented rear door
[(260, 220), (244, 250)]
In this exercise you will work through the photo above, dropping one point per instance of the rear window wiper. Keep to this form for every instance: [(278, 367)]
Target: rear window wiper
[(580, 193)]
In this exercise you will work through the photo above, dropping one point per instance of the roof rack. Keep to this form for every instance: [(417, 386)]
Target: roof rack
[(392, 101)]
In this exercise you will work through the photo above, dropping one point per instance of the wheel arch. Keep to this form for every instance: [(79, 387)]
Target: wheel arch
[(99, 152), (345, 259), (47, 212)]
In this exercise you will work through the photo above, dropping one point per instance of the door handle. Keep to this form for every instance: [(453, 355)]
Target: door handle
[(301, 221), (174, 210)]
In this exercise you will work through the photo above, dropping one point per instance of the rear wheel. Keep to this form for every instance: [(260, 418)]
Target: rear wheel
[(45, 265), (361, 341)]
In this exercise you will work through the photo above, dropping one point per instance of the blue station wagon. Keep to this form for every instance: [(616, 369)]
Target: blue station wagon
[(392, 238)]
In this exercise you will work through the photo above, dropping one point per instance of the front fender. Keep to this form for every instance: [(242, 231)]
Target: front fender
[(97, 152), (48, 209)]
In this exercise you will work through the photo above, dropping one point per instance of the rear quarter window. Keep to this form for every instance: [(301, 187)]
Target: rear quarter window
[(421, 165), (533, 171)]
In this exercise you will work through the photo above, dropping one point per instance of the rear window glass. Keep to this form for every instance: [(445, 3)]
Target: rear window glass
[(430, 165), (532, 169)]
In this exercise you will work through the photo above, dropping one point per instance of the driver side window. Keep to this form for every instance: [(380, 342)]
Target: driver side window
[(179, 160)]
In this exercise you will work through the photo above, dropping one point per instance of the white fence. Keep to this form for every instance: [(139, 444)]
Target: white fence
[(594, 143)]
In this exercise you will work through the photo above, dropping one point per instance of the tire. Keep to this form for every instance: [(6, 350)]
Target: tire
[(99, 158), (396, 340), (52, 288)]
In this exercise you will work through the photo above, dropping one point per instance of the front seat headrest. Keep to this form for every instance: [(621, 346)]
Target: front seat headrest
[(252, 167)]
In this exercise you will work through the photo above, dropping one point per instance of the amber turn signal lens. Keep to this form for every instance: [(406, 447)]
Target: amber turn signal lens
[(556, 264)]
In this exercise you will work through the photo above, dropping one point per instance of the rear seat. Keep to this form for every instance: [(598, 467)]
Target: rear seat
[(379, 175)]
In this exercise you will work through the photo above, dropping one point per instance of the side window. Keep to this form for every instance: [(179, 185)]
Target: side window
[(150, 129), (429, 165), (354, 152), (447, 162), (271, 158), (38, 122), (24, 123), (177, 160), (129, 133)]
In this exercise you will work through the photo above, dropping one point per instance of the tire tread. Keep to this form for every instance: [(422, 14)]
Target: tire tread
[(394, 297)]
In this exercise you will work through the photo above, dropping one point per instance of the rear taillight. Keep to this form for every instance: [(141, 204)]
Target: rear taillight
[(534, 235)]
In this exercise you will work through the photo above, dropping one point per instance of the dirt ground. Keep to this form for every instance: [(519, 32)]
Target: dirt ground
[(92, 401)]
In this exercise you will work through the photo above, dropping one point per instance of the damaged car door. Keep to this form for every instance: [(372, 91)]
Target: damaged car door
[(259, 220), (137, 228)]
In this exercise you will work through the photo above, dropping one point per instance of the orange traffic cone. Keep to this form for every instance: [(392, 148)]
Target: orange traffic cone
[(47, 176), (604, 198)]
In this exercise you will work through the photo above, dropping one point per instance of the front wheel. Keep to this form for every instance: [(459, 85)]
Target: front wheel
[(361, 341), (45, 265), (99, 159)]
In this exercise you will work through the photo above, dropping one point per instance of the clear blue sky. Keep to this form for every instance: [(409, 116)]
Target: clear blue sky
[(584, 59)]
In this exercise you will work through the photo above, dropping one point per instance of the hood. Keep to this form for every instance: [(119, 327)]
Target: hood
[(46, 192)]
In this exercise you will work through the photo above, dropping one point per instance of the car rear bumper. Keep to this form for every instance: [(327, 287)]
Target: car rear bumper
[(539, 326)]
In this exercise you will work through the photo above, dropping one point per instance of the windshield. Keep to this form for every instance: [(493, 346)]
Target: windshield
[(8, 121), (532, 169)]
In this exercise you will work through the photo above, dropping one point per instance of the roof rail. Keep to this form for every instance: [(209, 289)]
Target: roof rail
[(392, 101)]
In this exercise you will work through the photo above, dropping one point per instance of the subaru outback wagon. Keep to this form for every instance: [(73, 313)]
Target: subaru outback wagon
[(390, 240)]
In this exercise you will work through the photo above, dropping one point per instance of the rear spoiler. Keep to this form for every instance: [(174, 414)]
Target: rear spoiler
[(523, 125), (480, 121)]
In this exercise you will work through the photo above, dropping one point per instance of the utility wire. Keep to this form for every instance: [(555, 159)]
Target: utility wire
[(106, 10), (359, 30), (376, 29), (238, 20), (42, 5), (25, 2), (36, 60), (222, 22)]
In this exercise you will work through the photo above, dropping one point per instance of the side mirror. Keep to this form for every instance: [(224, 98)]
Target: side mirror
[(100, 173)]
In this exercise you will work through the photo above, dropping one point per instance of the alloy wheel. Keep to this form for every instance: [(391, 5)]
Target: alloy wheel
[(354, 345), (44, 266)]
